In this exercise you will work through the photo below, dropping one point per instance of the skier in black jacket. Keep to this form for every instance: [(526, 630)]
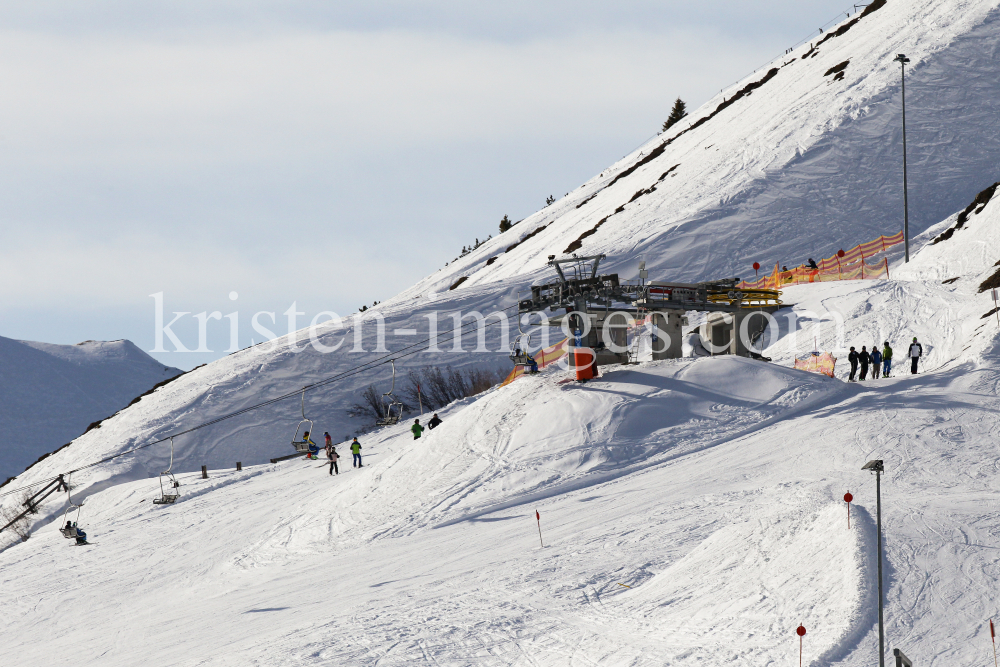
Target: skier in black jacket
[(434, 422), (853, 358), (865, 360), (916, 351)]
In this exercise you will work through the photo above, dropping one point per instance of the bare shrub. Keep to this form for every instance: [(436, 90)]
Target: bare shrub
[(21, 527)]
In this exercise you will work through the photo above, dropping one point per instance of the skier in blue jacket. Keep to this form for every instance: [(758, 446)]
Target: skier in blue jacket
[(876, 358)]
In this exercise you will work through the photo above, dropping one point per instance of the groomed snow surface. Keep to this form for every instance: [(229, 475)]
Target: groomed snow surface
[(691, 510)]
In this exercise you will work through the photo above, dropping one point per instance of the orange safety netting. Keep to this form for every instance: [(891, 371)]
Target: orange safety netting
[(854, 265), (543, 358), (817, 363)]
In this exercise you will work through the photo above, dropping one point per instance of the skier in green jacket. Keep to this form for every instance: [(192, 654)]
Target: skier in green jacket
[(416, 429), (356, 450), (886, 360)]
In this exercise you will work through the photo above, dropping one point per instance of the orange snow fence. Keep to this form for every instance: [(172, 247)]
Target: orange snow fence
[(543, 358), (856, 264), (817, 362)]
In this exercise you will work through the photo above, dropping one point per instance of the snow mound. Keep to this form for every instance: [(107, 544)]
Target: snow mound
[(784, 564)]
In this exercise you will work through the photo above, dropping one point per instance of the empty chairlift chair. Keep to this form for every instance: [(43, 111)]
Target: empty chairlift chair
[(170, 493), (392, 408), (302, 446)]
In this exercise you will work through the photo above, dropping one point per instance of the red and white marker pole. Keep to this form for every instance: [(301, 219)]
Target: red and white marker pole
[(993, 638), (538, 518), (847, 499), (801, 632)]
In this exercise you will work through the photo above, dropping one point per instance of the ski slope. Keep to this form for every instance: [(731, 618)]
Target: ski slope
[(691, 510), (50, 393)]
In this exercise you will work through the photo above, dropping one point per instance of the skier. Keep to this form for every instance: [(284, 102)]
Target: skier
[(916, 351), (876, 357), (853, 358), (812, 264), (886, 360), (313, 447), (331, 453), (329, 440), (434, 422), (864, 359), (416, 429), (356, 450)]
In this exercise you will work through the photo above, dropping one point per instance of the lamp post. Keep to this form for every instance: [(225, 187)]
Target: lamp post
[(876, 467), (902, 60)]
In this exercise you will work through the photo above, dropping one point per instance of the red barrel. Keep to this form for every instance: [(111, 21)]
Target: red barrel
[(584, 362)]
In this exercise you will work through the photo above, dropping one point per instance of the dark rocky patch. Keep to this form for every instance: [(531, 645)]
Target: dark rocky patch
[(949, 281), (977, 205), (989, 313), (458, 282), (491, 260), (838, 69), (511, 247), (587, 199)]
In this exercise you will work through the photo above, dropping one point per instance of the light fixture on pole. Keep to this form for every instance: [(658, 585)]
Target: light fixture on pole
[(876, 467), (902, 60)]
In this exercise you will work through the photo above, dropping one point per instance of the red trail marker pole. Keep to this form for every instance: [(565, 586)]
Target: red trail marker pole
[(800, 631), (847, 499), (538, 518), (993, 638)]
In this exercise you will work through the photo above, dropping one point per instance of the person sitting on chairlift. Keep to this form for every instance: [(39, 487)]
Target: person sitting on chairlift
[(81, 537), (313, 447)]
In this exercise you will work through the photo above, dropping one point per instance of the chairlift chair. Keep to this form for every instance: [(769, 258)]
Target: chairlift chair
[(519, 350), (171, 494), (302, 446), (392, 407), (70, 531)]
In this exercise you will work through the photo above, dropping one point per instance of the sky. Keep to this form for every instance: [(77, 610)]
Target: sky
[(248, 156)]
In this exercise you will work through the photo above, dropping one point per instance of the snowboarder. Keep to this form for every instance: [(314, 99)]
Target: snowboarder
[(434, 422), (812, 264), (853, 358), (356, 450), (876, 357), (313, 447), (886, 360), (916, 351), (331, 453), (864, 359), (416, 429)]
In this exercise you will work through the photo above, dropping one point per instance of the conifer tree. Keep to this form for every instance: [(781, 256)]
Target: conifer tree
[(505, 224), (678, 112)]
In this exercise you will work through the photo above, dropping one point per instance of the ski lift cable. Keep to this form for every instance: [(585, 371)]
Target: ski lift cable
[(361, 368)]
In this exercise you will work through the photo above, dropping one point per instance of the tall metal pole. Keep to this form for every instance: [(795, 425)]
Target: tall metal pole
[(878, 514), (877, 466), (902, 60)]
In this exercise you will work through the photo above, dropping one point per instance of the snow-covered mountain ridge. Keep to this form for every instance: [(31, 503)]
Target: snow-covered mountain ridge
[(50, 393)]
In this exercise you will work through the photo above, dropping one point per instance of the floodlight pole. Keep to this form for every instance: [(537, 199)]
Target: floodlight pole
[(877, 467), (902, 60)]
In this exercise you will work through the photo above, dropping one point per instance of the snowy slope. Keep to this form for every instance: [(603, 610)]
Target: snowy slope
[(50, 393), (710, 486)]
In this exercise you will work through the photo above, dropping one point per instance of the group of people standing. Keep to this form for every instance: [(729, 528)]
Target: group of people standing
[(331, 449), (880, 361)]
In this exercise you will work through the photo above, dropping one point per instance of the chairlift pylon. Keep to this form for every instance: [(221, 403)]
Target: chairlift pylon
[(168, 497), (302, 446), (392, 408), (67, 526)]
